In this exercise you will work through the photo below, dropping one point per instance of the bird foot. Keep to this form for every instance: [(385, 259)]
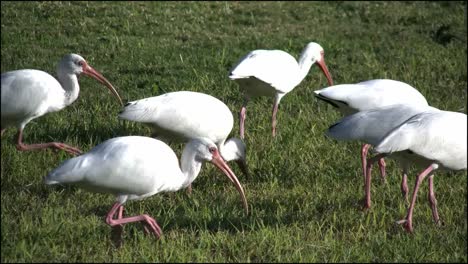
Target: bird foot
[(148, 230), (55, 145), (408, 225), (366, 204), (439, 223), (151, 226), (69, 149), (366, 207)]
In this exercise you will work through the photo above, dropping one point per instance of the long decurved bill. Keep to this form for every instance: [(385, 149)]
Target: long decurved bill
[(222, 165), (88, 70), (324, 68)]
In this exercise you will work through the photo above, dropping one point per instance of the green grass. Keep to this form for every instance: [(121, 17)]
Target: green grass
[(305, 191)]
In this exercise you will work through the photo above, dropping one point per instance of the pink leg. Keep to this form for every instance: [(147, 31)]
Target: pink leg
[(404, 185), (3, 131), (273, 118), (22, 147), (364, 150), (382, 170), (242, 120), (408, 221), (433, 201), (189, 189), (370, 162), (118, 229), (154, 227)]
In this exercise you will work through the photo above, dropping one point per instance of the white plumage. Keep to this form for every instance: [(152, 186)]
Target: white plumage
[(28, 94), (352, 98), (432, 140), (135, 167), (372, 94), (435, 136), (274, 73), (185, 115), (370, 127)]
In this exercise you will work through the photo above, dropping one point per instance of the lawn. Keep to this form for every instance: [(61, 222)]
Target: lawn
[(305, 191)]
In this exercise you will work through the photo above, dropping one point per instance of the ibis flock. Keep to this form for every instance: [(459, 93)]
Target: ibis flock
[(390, 116)]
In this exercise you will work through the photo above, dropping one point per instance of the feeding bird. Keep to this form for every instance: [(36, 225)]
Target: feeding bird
[(274, 73), (362, 126), (431, 140), (185, 115), (29, 94), (136, 167), (352, 98)]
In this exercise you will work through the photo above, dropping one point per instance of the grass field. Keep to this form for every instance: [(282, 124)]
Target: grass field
[(305, 190)]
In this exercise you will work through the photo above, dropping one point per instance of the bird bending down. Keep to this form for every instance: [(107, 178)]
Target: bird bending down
[(184, 115), (352, 98), (362, 126), (28, 94), (274, 73), (431, 140), (134, 168)]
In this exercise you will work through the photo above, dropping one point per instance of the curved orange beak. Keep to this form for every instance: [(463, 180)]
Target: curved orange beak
[(323, 67), (88, 70), (219, 162)]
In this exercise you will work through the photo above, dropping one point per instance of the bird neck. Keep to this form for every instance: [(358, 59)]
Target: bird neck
[(190, 166), (70, 85), (305, 62)]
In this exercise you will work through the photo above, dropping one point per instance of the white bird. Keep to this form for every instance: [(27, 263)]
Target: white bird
[(274, 73), (136, 167), (352, 98), (28, 94), (362, 126), (184, 115), (432, 140)]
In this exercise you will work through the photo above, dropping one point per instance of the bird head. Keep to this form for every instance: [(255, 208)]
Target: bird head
[(75, 64), (314, 52), (206, 150)]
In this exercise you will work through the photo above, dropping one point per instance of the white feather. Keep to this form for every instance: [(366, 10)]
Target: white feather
[(438, 137)]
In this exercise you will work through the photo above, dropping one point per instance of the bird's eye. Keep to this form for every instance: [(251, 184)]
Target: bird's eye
[(80, 63), (212, 149)]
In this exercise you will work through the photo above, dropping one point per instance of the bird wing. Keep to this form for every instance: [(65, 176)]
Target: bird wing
[(370, 94), (274, 67), (434, 135), (183, 115), (372, 125), (123, 165), (403, 137), (26, 94)]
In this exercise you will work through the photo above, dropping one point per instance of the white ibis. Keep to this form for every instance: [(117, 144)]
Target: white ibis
[(136, 167), (28, 94), (362, 126), (274, 73), (185, 115), (352, 98), (432, 140)]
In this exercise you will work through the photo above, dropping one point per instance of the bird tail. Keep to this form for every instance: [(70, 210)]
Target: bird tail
[(134, 111), (325, 99)]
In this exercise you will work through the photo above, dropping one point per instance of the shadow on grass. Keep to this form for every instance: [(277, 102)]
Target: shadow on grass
[(62, 134)]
